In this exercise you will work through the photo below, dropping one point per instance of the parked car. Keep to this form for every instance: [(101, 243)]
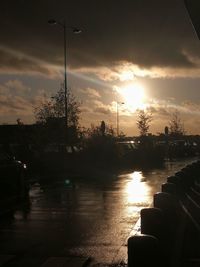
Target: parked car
[(59, 158), (13, 181)]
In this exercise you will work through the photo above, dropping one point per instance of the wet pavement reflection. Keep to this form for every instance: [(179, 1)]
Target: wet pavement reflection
[(90, 217)]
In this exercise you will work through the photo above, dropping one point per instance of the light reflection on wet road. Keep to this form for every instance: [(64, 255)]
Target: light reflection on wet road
[(83, 217)]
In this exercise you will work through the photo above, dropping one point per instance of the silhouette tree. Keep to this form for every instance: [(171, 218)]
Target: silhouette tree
[(54, 108), (50, 114), (19, 121), (103, 127), (100, 145), (143, 122), (166, 130), (176, 126)]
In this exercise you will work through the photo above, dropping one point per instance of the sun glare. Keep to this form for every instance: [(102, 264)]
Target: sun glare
[(136, 189), (126, 76), (133, 96)]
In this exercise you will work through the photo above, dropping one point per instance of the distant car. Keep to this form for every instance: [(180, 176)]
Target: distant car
[(59, 158), (13, 180), (61, 148), (126, 147)]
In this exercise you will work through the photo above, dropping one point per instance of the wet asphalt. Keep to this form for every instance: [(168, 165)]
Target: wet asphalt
[(79, 217)]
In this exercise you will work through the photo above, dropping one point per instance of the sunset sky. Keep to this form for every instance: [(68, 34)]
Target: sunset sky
[(144, 53)]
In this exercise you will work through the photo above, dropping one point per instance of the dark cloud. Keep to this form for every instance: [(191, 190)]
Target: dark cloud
[(14, 104), (15, 98), (161, 111), (146, 33), (102, 110), (17, 62)]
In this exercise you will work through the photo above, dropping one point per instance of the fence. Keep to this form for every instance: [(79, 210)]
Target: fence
[(170, 230)]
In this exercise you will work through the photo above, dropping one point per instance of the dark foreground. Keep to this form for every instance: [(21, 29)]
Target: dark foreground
[(79, 221), (170, 229)]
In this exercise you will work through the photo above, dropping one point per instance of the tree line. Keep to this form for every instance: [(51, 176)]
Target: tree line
[(51, 113), (175, 128)]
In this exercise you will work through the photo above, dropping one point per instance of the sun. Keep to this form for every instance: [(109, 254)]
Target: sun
[(126, 76), (133, 96)]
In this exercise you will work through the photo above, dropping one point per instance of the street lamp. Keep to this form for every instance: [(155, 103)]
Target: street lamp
[(75, 31), (118, 103)]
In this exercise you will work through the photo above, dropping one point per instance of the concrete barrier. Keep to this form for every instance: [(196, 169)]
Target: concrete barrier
[(143, 251), (170, 230), (169, 188)]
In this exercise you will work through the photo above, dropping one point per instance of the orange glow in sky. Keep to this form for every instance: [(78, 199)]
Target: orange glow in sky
[(133, 96)]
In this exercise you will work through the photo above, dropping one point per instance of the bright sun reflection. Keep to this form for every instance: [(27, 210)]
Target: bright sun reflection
[(133, 96), (137, 191)]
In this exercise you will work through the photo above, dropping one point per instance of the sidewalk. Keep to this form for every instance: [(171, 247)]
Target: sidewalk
[(13, 260)]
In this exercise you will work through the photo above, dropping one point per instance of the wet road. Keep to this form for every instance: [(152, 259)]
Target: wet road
[(81, 217)]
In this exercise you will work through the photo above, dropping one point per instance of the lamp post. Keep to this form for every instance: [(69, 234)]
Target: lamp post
[(118, 103), (75, 31)]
